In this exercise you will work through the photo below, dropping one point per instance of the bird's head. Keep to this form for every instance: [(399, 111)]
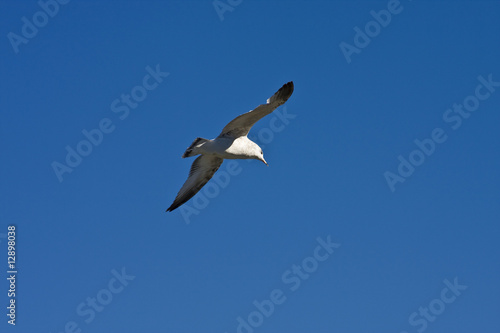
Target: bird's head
[(254, 151), (259, 155)]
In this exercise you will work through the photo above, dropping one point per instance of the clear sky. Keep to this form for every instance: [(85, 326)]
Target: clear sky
[(379, 211)]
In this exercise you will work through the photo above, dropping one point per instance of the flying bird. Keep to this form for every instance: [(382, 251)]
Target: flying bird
[(232, 143)]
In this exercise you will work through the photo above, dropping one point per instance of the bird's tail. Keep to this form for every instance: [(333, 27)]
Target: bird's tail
[(191, 150)]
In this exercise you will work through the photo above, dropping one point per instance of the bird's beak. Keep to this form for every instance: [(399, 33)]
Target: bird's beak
[(263, 160)]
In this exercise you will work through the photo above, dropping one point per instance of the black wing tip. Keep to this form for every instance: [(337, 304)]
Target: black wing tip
[(284, 93), (288, 86), (173, 206)]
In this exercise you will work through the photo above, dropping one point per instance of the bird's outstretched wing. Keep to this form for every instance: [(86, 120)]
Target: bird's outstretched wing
[(202, 170), (241, 125)]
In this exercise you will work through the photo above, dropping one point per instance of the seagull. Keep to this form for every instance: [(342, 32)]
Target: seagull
[(232, 143)]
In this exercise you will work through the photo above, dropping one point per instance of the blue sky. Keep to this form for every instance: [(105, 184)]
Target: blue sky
[(378, 213)]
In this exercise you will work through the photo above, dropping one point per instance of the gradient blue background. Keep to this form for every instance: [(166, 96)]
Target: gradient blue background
[(325, 176)]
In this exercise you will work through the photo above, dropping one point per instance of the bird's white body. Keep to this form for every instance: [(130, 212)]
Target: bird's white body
[(229, 148)]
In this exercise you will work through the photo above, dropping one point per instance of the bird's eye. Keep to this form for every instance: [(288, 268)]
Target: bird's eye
[(261, 152)]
